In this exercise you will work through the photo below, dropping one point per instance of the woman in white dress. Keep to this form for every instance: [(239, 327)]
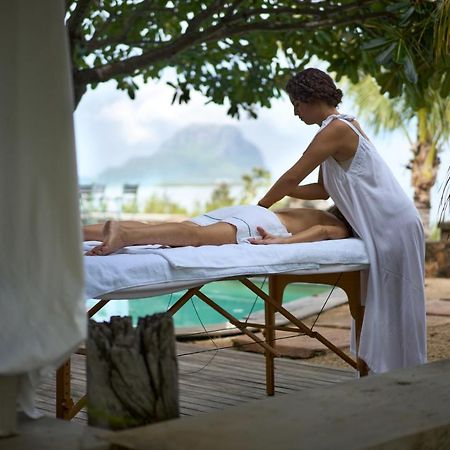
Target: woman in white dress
[(364, 189)]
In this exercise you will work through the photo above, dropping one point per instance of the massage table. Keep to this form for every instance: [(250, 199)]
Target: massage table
[(149, 271)]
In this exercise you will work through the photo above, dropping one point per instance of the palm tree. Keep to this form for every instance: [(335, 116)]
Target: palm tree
[(442, 37), (432, 130), (444, 204)]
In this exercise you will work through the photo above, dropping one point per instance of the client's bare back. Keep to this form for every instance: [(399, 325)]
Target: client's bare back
[(297, 220)]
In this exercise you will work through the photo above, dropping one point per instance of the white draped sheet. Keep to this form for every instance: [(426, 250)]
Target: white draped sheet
[(172, 269), (41, 276)]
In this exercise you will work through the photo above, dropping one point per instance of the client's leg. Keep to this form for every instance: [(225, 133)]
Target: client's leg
[(94, 232), (181, 234)]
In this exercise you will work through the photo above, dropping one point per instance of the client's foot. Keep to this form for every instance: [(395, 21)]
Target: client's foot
[(112, 240)]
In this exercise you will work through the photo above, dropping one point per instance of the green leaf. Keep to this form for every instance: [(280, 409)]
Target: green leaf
[(398, 5), (375, 43), (400, 53), (444, 92), (386, 56), (390, 82), (406, 15), (435, 81), (410, 70)]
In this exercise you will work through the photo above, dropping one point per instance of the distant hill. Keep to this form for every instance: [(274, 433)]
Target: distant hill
[(195, 154)]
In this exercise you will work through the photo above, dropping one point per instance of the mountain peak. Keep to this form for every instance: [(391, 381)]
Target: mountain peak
[(196, 153)]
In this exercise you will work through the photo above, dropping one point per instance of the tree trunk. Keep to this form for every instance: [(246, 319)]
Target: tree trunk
[(424, 166), (131, 372), (78, 92)]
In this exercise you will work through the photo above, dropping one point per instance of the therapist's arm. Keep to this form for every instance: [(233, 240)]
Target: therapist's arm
[(325, 144), (313, 191)]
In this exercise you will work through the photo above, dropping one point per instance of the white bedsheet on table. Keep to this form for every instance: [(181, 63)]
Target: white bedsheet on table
[(146, 265)]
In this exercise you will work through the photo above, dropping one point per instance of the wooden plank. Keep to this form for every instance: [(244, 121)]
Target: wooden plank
[(213, 395), (188, 399), (207, 384), (246, 375), (284, 374), (253, 361), (224, 386)]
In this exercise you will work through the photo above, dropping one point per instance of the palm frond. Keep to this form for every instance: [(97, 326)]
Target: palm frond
[(442, 30), (377, 109), (444, 203), (438, 117)]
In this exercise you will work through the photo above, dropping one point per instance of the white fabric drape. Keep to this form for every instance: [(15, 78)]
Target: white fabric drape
[(41, 277)]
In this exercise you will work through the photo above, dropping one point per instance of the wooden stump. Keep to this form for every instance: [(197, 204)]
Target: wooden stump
[(132, 376)]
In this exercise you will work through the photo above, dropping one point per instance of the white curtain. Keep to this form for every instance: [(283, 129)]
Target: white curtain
[(42, 316)]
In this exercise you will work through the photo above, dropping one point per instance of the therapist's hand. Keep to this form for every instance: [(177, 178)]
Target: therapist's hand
[(267, 238)]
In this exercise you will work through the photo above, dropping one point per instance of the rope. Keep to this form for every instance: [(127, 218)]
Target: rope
[(217, 348), (326, 301), (254, 303), (237, 346)]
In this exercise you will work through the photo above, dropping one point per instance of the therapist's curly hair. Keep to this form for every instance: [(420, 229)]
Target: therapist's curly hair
[(313, 84)]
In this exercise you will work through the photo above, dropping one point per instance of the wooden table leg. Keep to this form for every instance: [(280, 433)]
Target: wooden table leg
[(276, 293), (353, 288), (64, 402)]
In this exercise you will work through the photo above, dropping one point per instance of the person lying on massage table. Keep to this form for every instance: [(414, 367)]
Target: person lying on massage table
[(230, 225)]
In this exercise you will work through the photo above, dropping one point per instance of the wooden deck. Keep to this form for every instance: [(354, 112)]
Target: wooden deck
[(214, 380)]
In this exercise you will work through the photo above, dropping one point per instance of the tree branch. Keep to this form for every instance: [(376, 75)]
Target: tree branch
[(94, 43), (305, 25), (76, 19), (215, 33), (307, 10), (203, 15), (232, 8), (227, 20), (133, 63)]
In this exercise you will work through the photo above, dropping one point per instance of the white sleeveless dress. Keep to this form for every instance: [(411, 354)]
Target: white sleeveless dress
[(382, 215)]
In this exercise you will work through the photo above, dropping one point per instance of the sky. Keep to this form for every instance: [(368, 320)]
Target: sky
[(111, 128)]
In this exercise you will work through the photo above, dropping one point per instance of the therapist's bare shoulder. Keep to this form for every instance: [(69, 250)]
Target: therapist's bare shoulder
[(328, 142), (358, 127), (337, 136)]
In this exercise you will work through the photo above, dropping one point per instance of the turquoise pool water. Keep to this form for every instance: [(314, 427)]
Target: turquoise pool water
[(230, 295)]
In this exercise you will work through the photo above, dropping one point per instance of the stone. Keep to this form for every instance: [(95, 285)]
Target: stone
[(404, 409), (438, 308)]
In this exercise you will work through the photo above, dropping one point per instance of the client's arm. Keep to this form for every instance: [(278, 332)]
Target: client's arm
[(313, 234)]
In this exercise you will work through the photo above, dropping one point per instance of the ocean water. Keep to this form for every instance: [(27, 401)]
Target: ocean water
[(186, 196)]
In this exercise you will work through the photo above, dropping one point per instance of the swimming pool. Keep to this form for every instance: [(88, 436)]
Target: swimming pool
[(195, 314)]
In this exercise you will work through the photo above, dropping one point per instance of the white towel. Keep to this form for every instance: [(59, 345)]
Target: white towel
[(152, 265), (308, 255)]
